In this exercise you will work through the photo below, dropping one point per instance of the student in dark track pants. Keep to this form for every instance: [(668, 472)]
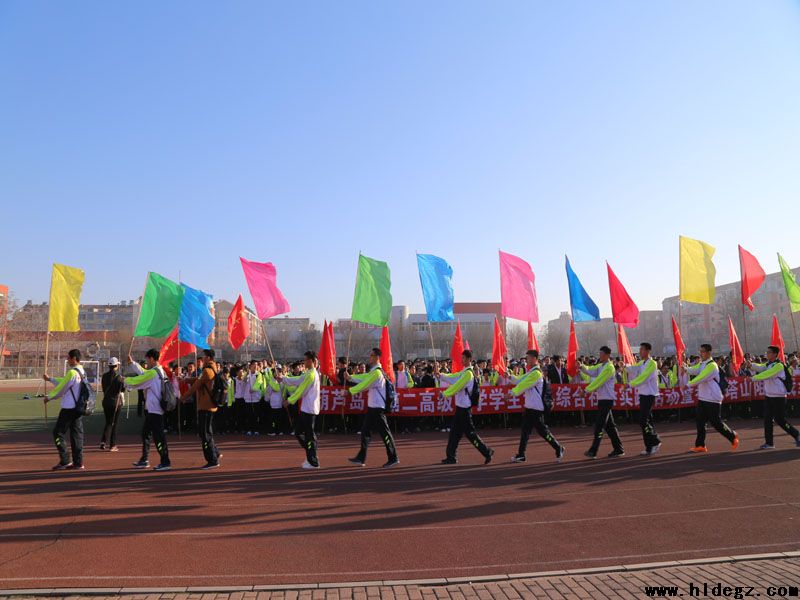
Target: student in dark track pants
[(150, 380), (375, 382), (531, 386), (643, 377), (603, 379), (69, 419), (307, 392), (461, 384), (201, 388), (113, 389), (705, 375), (773, 376)]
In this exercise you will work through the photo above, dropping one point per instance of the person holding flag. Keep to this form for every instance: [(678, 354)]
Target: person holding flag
[(603, 378), (706, 377), (307, 391), (461, 385), (69, 418), (374, 381), (773, 374), (531, 386), (644, 377), (151, 381)]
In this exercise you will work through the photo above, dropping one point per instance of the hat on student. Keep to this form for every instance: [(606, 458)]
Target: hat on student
[(113, 361)]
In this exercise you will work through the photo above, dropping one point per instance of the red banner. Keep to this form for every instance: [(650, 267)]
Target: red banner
[(428, 402)]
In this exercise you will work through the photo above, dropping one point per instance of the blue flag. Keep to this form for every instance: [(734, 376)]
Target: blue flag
[(437, 287), (583, 307), (196, 321)]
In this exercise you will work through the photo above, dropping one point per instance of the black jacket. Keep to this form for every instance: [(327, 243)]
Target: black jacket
[(553, 374)]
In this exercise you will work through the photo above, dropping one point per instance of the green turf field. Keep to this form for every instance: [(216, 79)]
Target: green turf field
[(17, 414)]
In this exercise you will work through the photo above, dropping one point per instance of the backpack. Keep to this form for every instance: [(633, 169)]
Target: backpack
[(722, 382), (389, 394), (219, 390), (547, 396), (86, 399), (475, 393), (168, 399), (788, 379)]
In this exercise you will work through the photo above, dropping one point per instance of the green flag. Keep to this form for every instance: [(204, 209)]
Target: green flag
[(792, 289), (372, 302), (161, 307)]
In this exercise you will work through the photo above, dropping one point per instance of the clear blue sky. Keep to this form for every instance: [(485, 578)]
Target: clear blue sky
[(177, 136)]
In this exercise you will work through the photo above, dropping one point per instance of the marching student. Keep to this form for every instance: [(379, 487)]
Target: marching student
[(151, 381), (531, 386), (307, 392), (252, 390), (461, 385), (69, 418), (202, 387), (603, 378), (113, 397), (402, 376), (276, 416), (374, 381), (705, 376), (773, 374), (645, 376)]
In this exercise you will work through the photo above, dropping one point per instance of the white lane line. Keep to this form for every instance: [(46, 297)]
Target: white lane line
[(508, 567), (464, 526)]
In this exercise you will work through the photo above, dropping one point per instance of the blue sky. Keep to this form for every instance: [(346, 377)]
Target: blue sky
[(177, 136)]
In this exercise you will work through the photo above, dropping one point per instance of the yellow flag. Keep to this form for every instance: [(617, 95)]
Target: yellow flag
[(697, 271), (65, 297)]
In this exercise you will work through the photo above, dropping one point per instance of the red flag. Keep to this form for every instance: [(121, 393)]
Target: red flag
[(499, 350), (386, 354), (533, 343), (624, 346), (752, 276), (332, 349), (456, 350), (238, 326), (327, 354), (572, 351), (680, 347), (737, 354), (172, 350), (623, 309), (777, 338)]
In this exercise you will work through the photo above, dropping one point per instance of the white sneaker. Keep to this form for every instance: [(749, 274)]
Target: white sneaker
[(308, 465), (644, 453), (655, 449)]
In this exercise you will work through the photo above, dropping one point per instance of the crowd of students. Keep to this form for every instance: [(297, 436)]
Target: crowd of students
[(263, 396)]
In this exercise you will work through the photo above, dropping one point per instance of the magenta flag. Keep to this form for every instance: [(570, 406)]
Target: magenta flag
[(517, 289), (262, 281)]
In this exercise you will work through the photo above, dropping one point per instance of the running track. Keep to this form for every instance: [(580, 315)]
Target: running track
[(261, 520)]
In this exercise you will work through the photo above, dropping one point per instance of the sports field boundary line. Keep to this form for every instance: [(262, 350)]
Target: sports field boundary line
[(444, 581)]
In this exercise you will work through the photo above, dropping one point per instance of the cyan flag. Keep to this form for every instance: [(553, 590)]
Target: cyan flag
[(437, 287), (583, 307), (196, 322)]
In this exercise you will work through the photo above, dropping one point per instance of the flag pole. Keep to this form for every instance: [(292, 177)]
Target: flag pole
[(139, 316), (433, 348), (47, 344), (741, 290), (794, 327)]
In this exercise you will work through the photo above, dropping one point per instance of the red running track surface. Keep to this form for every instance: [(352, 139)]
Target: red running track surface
[(261, 520)]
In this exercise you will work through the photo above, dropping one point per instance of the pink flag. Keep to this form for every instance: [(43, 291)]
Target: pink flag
[(517, 289), (261, 279)]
